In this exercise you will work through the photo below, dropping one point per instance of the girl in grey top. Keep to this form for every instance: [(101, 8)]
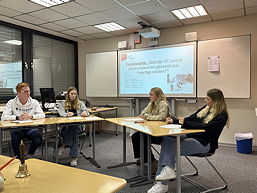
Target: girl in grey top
[(72, 106)]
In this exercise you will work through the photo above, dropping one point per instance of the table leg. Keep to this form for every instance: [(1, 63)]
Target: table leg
[(57, 129), (92, 160), (124, 163), (90, 136), (46, 145), (178, 165), (116, 124)]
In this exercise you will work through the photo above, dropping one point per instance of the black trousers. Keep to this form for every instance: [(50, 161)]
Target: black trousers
[(136, 145)]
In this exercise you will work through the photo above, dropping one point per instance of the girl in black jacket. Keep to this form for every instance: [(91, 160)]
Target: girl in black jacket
[(211, 118)]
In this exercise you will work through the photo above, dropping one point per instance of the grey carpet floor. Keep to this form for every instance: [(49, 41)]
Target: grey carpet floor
[(240, 170)]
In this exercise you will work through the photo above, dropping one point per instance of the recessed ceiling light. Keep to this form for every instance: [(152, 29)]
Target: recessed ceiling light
[(14, 42), (190, 12), (109, 27), (193, 11), (200, 10), (186, 13), (178, 14), (49, 3)]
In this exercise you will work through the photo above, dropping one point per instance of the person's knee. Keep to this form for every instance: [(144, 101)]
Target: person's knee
[(37, 139)]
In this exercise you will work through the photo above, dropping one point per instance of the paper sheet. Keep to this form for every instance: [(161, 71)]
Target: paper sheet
[(171, 126), (135, 119), (75, 118), (25, 121)]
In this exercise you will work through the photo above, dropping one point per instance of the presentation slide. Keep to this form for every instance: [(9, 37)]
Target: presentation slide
[(172, 68), (10, 75)]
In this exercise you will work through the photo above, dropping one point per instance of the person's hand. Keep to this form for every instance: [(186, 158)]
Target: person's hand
[(169, 120), (84, 114), (181, 120), (70, 114), (25, 116)]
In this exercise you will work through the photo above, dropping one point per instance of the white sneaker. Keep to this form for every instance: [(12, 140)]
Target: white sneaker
[(60, 151), (158, 188), (167, 173), (74, 162)]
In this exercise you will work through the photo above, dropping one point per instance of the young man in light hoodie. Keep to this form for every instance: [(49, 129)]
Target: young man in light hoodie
[(23, 107)]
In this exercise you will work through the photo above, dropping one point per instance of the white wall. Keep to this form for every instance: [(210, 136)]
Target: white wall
[(241, 111)]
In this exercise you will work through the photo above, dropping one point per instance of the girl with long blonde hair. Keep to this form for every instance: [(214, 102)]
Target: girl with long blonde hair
[(156, 110), (212, 118), (72, 106)]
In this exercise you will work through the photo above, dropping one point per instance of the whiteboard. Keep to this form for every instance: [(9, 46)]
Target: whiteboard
[(234, 75), (101, 74)]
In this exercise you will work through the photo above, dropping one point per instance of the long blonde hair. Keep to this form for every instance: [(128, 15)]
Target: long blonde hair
[(71, 104), (160, 97), (217, 107)]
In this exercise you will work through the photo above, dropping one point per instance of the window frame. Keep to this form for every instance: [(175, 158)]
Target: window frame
[(27, 55)]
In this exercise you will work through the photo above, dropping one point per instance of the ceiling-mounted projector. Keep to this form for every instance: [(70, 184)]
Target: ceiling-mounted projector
[(149, 32)]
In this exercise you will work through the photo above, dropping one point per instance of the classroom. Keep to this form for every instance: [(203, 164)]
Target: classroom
[(128, 96)]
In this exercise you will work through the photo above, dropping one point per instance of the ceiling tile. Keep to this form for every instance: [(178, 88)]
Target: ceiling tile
[(250, 3), (228, 14), (94, 18), (118, 13), (88, 30), (30, 19), (131, 2), (121, 32), (8, 12), (98, 5), (147, 7), (159, 17), (71, 23), (216, 6), (129, 23), (196, 20), (251, 10), (72, 33), (48, 14), (168, 24), (72, 9), (86, 37), (176, 4), (102, 35), (53, 26), (21, 5)]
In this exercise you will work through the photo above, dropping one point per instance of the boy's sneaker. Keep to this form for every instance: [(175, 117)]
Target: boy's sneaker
[(74, 162)]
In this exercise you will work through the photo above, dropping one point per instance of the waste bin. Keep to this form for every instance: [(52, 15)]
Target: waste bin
[(244, 142)]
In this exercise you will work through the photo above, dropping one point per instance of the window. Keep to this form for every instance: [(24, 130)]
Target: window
[(10, 60)]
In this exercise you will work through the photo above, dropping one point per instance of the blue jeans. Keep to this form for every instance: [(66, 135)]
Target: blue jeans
[(70, 136), (31, 134), (188, 146)]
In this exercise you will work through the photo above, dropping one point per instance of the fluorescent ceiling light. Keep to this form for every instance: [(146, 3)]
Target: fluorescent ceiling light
[(193, 11), (14, 42), (109, 27), (178, 14), (190, 12), (186, 13), (200, 10), (49, 3)]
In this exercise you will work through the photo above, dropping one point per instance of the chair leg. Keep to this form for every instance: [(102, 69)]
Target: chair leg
[(196, 173), (224, 181)]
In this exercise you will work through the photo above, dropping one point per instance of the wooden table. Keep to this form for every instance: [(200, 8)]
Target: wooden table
[(152, 128), (47, 177), (57, 122)]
